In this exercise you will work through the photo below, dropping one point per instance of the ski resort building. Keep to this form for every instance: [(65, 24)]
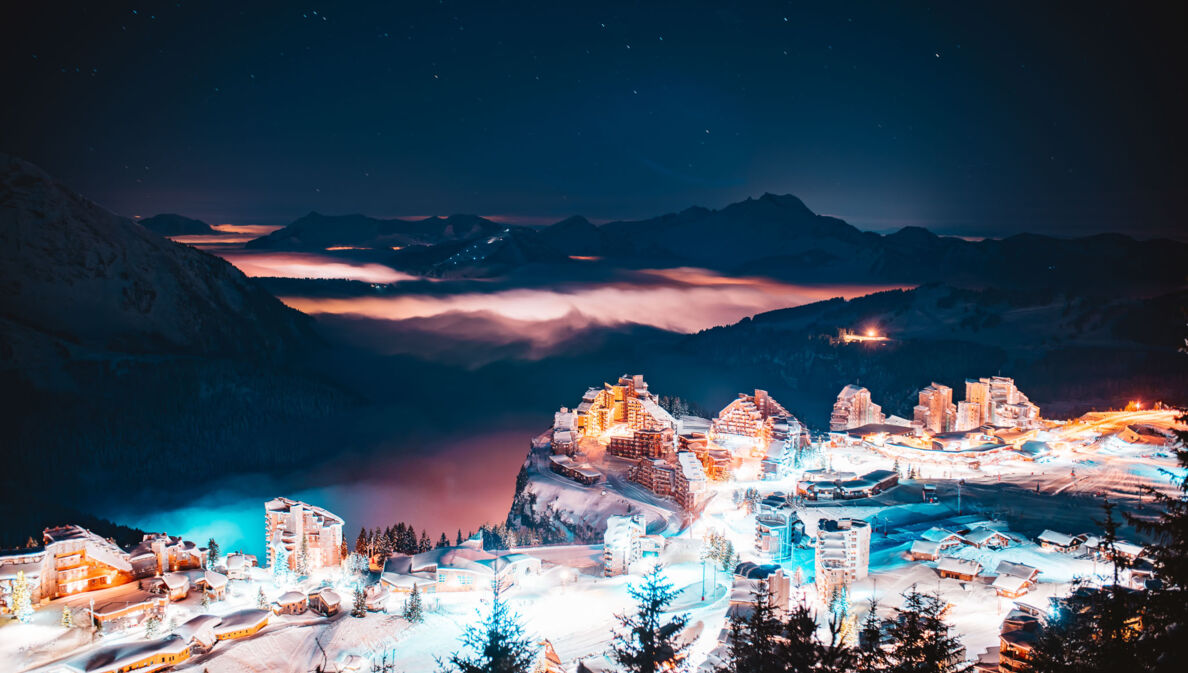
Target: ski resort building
[(777, 528), (854, 409), (143, 656), (936, 412), (958, 568), (842, 554), (749, 416), (627, 402), (583, 473), (638, 444), (292, 528), (79, 560), (162, 553), (622, 544), (565, 432), (997, 401)]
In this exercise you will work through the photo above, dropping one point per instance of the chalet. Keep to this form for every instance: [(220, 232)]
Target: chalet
[(1009, 586), (1126, 551), (375, 597), (958, 569), (1052, 540), (127, 613), (241, 624), (986, 537), (1016, 638), (290, 603), (947, 539), (199, 633), (143, 656), (325, 602), (176, 585), (238, 566), (213, 584), (923, 550)]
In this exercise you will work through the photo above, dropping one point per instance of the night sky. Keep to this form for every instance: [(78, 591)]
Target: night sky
[(968, 118)]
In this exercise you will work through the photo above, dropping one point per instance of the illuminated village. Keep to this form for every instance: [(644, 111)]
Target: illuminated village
[(874, 506)]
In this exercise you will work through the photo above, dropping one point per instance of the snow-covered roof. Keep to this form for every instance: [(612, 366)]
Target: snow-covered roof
[(935, 534), (925, 547), (1016, 570), (286, 504), (175, 580), (958, 565), (215, 580), (982, 535), (117, 656), (199, 628), (290, 597), (242, 619), (236, 561), (1009, 583), (100, 549), (1056, 538), (32, 569), (329, 597), (691, 466)]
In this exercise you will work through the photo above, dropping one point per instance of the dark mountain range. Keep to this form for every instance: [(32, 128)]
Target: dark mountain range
[(773, 236), (170, 224), (318, 232), (77, 275), (1068, 352), (125, 356)]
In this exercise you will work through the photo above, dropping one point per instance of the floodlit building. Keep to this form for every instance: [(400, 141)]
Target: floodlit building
[(650, 443), (656, 475), (1053, 540), (81, 561), (162, 553), (622, 544), (1000, 403), (854, 409), (627, 402), (143, 656), (689, 481), (242, 624), (1016, 639), (749, 416), (565, 432), (132, 611), (936, 412), (288, 523), (842, 554), (777, 528), (583, 473)]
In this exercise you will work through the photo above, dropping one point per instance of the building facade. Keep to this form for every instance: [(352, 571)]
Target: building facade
[(289, 523), (842, 554), (854, 409)]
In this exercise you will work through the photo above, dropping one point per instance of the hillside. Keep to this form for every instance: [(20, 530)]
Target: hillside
[(1069, 352), (131, 360), (316, 231), (170, 224), (79, 275)]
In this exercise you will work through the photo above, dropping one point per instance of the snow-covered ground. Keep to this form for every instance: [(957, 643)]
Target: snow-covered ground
[(572, 605)]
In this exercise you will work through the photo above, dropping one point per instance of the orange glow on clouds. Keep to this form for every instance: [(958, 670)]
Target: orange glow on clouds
[(310, 265), (694, 303)]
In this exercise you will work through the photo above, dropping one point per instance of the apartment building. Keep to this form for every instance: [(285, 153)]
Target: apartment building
[(854, 409), (622, 544), (842, 554), (749, 416), (936, 412), (287, 523)]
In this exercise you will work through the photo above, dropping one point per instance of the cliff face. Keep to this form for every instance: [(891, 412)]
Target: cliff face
[(77, 274)]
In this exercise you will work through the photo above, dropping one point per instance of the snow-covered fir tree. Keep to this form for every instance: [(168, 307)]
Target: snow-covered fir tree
[(22, 598), (644, 643), (261, 599), (414, 609), (359, 609), (498, 642)]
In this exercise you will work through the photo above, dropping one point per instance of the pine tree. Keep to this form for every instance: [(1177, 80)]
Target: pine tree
[(460, 540), (67, 617), (414, 609), (360, 607), (303, 557), (361, 546), (22, 598), (644, 645), (425, 544), (918, 638), (152, 626), (870, 640), (261, 599), (443, 541), (212, 553), (498, 641), (755, 639)]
